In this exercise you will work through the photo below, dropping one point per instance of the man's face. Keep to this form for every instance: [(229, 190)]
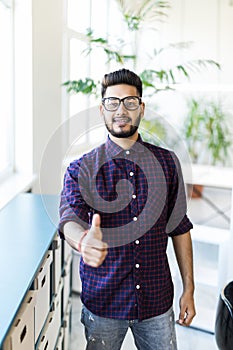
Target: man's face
[(122, 123)]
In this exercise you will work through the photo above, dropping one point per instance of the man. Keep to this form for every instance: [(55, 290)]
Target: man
[(119, 205)]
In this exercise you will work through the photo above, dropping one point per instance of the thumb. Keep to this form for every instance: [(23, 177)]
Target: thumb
[(96, 221), (95, 227), (182, 314)]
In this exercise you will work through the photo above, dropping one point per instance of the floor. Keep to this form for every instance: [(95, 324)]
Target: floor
[(206, 297)]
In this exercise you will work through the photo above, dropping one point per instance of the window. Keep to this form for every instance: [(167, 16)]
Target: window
[(82, 16), (6, 89), (15, 98)]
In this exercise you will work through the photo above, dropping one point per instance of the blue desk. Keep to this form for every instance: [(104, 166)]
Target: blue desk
[(26, 232)]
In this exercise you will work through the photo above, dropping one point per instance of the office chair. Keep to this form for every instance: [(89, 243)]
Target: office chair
[(224, 319)]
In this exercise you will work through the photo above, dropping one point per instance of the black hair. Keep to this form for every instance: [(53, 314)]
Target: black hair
[(121, 76)]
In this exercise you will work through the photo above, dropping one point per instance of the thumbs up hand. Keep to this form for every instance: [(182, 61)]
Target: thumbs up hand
[(93, 250), (95, 230)]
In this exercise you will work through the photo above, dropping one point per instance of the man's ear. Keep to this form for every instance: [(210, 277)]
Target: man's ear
[(101, 109), (142, 109)]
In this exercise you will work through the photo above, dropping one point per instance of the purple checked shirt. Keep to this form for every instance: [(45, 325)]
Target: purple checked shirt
[(139, 194)]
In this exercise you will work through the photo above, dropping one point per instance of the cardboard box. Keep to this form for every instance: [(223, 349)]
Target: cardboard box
[(67, 326), (59, 345), (41, 288), (21, 334), (67, 283), (50, 334), (67, 251), (76, 281), (56, 264)]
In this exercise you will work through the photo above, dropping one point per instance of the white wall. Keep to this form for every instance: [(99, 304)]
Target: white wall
[(208, 25), (47, 19)]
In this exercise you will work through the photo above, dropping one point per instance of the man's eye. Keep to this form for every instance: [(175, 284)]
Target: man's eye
[(131, 104), (113, 104)]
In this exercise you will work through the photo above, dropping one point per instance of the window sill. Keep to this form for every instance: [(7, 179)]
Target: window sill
[(14, 185)]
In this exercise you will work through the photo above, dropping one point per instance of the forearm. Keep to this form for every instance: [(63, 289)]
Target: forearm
[(73, 233), (88, 243), (184, 255)]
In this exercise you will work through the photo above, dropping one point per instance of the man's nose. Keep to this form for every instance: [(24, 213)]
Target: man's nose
[(121, 107)]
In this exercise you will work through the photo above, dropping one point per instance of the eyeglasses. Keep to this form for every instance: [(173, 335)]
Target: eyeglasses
[(112, 104)]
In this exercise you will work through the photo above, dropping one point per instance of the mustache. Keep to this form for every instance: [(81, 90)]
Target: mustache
[(122, 117)]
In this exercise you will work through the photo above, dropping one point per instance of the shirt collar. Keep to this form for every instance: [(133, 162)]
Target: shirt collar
[(113, 149)]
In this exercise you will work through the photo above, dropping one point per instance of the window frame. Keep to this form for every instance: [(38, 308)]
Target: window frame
[(10, 128)]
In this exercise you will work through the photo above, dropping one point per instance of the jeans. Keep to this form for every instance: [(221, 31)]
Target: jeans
[(156, 333)]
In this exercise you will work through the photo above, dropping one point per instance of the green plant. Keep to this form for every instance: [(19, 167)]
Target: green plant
[(137, 17), (153, 131), (164, 79), (154, 80), (86, 86), (159, 131), (206, 131), (146, 12), (112, 53)]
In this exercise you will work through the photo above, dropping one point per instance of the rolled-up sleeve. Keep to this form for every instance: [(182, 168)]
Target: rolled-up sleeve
[(178, 222), (72, 205)]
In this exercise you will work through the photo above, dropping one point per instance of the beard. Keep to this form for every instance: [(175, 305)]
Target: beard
[(123, 133)]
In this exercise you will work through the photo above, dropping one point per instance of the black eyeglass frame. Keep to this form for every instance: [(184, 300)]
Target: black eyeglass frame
[(121, 100)]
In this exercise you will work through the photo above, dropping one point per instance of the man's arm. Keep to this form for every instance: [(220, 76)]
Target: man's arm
[(73, 233), (183, 250), (91, 246)]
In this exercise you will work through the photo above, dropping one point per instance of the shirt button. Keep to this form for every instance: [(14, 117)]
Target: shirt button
[(134, 196), (137, 286), (135, 218), (137, 266), (131, 173), (127, 152), (137, 241)]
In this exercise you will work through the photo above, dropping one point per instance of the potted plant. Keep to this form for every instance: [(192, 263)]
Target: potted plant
[(137, 17), (207, 133)]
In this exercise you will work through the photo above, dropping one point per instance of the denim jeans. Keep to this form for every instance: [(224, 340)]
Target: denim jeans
[(156, 333)]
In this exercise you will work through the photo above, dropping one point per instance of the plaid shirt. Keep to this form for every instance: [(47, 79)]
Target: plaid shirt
[(139, 194)]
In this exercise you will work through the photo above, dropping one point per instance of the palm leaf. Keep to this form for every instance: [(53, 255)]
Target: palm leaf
[(141, 13), (87, 86)]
